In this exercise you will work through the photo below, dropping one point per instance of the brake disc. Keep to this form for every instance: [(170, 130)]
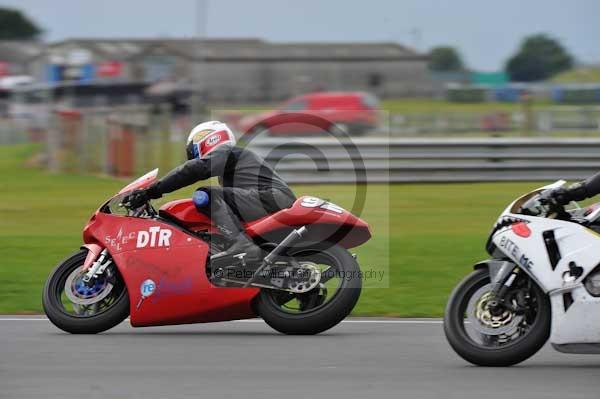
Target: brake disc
[(482, 320), (80, 294)]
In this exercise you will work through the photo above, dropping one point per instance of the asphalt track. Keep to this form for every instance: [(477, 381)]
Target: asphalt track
[(358, 359)]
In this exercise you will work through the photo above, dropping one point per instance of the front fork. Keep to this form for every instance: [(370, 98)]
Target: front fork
[(98, 266), (502, 275)]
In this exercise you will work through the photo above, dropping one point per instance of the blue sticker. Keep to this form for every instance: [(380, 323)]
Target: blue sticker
[(147, 288)]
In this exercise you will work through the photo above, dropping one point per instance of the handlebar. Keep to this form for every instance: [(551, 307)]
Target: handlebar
[(142, 211), (541, 205)]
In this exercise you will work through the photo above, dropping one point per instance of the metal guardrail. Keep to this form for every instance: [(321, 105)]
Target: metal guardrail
[(327, 160)]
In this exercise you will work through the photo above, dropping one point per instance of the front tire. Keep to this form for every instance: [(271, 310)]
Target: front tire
[(102, 310), (319, 309), (523, 338)]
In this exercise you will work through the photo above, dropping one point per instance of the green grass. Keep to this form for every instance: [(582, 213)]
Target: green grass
[(579, 75), (425, 236)]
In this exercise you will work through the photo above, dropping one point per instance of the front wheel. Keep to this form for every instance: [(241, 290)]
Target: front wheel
[(486, 334), (322, 307), (80, 308)]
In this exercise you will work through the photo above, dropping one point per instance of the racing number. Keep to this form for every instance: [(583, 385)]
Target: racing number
[(313, 202)]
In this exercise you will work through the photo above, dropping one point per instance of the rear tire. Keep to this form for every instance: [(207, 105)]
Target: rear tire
[(499, 356), (54, 309), (325, 315)]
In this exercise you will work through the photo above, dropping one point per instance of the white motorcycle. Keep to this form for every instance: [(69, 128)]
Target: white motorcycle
[(543, 281)]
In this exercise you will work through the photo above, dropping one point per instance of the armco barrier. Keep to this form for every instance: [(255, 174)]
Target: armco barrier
[(326, 160)]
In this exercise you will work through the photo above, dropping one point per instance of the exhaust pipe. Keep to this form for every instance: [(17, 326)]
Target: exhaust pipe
[(268, 260)]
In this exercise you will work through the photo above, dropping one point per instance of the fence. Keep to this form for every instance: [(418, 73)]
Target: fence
[(11, 132), (566, 93), (524, 121), (122, 142), (128, 141), (432, 160), (529, 122)]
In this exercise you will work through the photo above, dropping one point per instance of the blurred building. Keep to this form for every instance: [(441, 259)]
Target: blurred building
[(239, 70), (16, 56)]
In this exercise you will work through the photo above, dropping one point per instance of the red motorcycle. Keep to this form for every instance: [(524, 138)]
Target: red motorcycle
[(155, 267)]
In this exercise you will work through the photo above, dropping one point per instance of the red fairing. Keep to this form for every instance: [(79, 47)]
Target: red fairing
[(324, 218), (185, 213), (174, 262)]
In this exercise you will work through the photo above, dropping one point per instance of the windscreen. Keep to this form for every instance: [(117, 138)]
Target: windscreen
[(141, 182)]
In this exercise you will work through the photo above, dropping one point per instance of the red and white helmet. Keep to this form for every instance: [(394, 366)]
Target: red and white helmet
[(207, 136)]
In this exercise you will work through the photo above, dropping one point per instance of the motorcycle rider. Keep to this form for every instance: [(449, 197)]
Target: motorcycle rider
[(577, 191), (250, 188)]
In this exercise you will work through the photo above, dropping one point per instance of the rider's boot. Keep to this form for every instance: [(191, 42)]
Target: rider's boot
[(231, 228), (242, 247)]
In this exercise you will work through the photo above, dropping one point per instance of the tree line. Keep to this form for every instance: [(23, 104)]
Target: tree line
[(539, 57)]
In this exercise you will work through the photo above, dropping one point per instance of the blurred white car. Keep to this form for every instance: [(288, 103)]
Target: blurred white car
[(10, 82)]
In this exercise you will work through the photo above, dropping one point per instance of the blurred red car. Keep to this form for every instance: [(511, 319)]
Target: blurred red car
[(352, 112)]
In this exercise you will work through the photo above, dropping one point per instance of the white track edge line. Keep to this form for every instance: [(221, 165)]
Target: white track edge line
[(428, 321)]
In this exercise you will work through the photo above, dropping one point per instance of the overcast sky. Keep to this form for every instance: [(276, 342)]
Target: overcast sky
[(486, 32)]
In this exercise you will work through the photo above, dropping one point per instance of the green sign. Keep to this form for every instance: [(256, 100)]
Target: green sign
[(489, 78)]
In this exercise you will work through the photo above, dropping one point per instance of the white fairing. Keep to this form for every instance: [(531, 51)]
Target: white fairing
[(572, 323)]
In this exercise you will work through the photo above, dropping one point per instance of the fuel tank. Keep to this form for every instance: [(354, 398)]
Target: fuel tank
[(184, 213)]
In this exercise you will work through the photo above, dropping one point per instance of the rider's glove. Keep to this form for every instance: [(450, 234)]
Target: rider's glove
[(562, 196), (136, 199), (139, 197), (559, 196)]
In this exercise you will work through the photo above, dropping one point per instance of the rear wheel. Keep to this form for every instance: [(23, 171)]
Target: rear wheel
[(485, 334), (322, 307), (78, 308)]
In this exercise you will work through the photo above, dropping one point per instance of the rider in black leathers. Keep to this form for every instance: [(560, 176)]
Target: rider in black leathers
[(250, 188)]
